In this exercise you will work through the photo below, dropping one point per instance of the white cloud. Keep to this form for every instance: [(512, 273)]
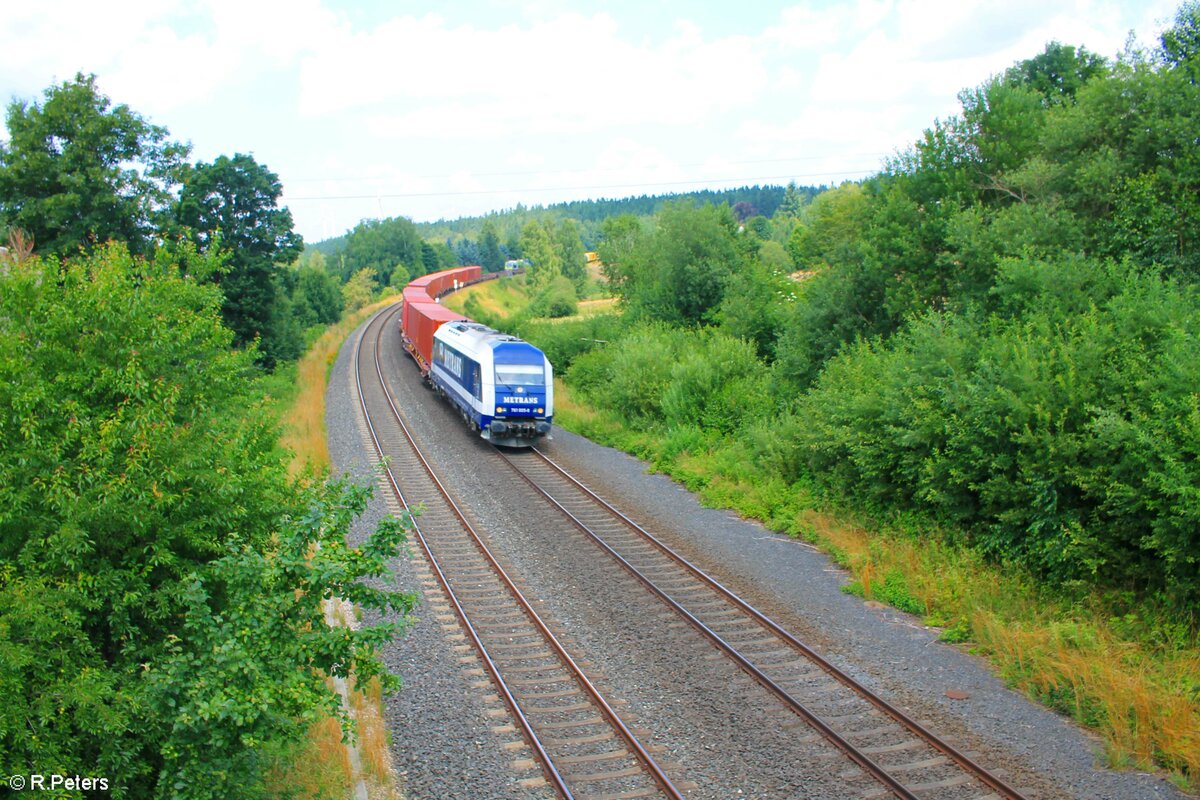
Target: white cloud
[(872, 75), (77, 35), (157, 55), (550, 98), (820, 28), (567, 74)]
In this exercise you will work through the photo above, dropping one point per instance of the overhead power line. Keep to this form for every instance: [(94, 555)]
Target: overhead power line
[(367, 178), (526, 190)]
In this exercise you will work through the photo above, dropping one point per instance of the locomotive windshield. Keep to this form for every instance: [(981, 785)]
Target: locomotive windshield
[(520, 375)]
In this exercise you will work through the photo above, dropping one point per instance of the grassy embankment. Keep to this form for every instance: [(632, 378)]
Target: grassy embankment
[(322, 769), (505, 297), (1134, 678)]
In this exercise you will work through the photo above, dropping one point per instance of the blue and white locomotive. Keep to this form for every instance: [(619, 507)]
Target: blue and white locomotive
[(502, 385)]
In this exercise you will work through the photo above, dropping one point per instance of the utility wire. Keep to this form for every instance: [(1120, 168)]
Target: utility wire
[(366, 179), (526, 190)]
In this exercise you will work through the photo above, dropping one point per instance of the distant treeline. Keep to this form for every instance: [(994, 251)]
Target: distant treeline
[(397, 249), (749, 200)]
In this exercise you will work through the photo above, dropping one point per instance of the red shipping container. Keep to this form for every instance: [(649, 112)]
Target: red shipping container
[(421, 315), (424, 320)]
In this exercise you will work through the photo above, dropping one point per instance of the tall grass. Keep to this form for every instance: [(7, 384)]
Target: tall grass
[(322, 769), (374, 741), (319, 768)]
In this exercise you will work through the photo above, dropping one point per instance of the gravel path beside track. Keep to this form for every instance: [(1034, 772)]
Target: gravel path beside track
[(442, 723)]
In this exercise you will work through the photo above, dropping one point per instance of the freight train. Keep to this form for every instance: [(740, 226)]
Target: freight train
[(503, 386)]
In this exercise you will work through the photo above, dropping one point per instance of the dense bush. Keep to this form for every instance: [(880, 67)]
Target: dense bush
[(557, 299), (160, 577), (1062, 437), (565, 340), (630, 375), (717, 382), (658, 375)]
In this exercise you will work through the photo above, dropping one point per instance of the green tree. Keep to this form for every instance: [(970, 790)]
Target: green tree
[(619, 236), (537, 245), (318, 297), (232, 205), (1123, 160), (1058, 72), (358, 291), (756, 305), (429, 257), (1179, 45), (379, 245), (400, 277), (490, 256), (446, 258), (792, 201), (830, 228), (571, 253), (244, 677), (78, 171), (678, 273), (512, 244)]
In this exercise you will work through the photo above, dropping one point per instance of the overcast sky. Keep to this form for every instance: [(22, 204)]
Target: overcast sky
[(439, 110)]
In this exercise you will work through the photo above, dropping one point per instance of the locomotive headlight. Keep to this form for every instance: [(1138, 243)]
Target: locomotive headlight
[(541, 411), (499, 409)]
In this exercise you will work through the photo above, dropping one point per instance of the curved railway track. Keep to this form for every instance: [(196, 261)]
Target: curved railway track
[(906, 759), (583, 746)]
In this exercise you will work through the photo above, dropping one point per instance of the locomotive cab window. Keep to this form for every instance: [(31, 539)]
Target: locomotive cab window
[(520, 375)]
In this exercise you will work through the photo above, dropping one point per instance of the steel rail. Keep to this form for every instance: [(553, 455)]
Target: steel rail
[(864, 761), (548, 767), (641, 754), (918, 730)]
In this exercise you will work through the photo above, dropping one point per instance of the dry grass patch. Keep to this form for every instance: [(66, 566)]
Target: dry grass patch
[(499, 298), (1142, 697), (320, 768), (325, 761), (374, 745), (1142, 700), (304, 423), (600, 305), (581, 418)]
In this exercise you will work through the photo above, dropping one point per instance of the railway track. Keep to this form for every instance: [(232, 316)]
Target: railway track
[(906, 759), (583, 746)]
